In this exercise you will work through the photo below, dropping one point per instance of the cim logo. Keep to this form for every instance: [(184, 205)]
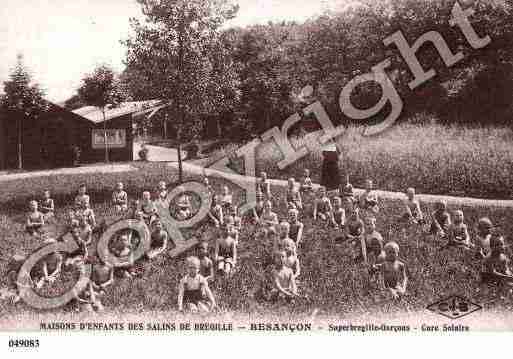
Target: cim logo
[(454, 307)]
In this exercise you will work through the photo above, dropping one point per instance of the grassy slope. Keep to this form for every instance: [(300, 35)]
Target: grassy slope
[(337, 286), (433, 158)]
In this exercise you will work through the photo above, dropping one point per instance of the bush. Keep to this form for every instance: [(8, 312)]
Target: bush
[(481, 97)]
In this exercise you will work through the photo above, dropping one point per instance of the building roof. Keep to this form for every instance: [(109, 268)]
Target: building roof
[(94, 114)]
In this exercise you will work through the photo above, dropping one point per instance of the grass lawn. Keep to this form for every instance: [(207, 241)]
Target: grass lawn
[(336, 286)]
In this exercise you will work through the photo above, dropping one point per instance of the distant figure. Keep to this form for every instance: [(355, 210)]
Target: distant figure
[(483, 236), (441, 220), (264, 186), (368, 200), (143, 153), (330, 175), (458, 231), (35, 220), (294, 195), (47, 205), (346, 190), (120, 198), (496, 265)]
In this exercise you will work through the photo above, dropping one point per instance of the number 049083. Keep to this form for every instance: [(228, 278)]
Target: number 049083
[(23, 343)]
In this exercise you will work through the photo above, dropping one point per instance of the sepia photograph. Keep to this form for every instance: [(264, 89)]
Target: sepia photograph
[(255, 166)]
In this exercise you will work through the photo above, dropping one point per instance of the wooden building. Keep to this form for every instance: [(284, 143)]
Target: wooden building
[(51, 139)]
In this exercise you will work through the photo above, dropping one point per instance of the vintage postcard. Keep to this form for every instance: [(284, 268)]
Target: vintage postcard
[(255, 166)]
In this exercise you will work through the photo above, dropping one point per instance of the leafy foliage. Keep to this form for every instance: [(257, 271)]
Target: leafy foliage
[(100, 88), (21, 96), (23, 101), (178, 55), (258, 71)]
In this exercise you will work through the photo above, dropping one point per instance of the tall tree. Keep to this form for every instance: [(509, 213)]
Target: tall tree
[(100, 89), (22, 100), (173, 50), (265, 82)]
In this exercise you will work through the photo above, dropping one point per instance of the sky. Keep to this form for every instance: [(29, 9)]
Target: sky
[(62, 40)]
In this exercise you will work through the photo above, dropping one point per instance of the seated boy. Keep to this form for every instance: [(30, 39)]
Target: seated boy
[(268, 219), (393, 271), (216, 212), (48, 268), (148, 209), (368, 200), (354, 233), (120, 199), (284, 281), (209, 187), (284, 241), (47, 206), (293, 261), (483, 234), (237, 219), (139, 216), (270, 245), (323, 209), (307, 192), (233, 230), (293, 195), (159, 240), (81, 253), (124, 251), (496, 268), (458, 231), (86, 231), (88, 300), (227, 200), (373, 239), (441, 220), (102, 276), (82, 198), (35, 220), (413, 213), (10, 292), (88, 215), (354, 227), (339, 213), (348, 204), (193, 291), (296, 227), (306, 182), (258, 210), (184, 208), (346, 190), (162, 191), (264, 186), (226, 251), (206, 264)]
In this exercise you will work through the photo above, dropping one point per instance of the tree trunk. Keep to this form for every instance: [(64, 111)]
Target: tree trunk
[(20, 140), (165, 127), (180, 166), (105, 136), (178, 98)]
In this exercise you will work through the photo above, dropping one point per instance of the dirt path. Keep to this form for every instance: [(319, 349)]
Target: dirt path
[(114, 168), (426, 198), (158, 153), (198, 170)]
